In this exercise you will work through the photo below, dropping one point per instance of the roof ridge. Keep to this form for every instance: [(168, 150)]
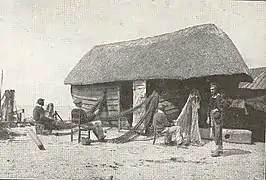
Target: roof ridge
[(164, 56), (159, 35)]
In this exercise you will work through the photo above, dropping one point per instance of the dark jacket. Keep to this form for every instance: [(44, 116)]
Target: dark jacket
[(160, 121), (84, 117), (38, 114), (220, 103)]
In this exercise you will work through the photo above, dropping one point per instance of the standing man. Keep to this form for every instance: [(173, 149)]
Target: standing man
[(216, 115)]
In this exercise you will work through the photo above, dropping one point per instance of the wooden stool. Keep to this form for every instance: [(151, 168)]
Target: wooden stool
[(75, 118), (83, 129)]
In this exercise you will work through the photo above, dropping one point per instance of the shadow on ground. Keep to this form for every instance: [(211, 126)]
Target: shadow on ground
[(231, 152)]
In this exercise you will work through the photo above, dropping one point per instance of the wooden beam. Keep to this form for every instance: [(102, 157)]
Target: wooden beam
[(139, 95), (35, 138), (2, 76), (118, 104)]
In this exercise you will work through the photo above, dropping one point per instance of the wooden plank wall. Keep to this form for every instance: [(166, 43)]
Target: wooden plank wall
[(90, 94)]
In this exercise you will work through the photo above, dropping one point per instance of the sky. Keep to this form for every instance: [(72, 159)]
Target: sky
[(41, 41)]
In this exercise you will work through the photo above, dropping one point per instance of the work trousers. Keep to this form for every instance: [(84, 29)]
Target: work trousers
[(217, 127), (48, 124), (97, 129), (173, 134)]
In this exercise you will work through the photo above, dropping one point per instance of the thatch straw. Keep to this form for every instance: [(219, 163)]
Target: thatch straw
[(259, 82), (197, 51)]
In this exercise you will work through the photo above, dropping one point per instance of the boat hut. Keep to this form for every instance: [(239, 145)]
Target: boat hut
[(255, 93), (253, 96), (130, 70)]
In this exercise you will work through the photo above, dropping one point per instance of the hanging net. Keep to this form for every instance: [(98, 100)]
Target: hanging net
[(151, 104), (188, 121)]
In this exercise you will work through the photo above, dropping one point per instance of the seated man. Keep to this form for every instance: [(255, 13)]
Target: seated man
[(39, 116), (162, 125), (87, 120)]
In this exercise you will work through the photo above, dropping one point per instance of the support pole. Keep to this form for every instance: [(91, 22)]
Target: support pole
[(139, 95), (2, 76), (119, 124), (71, 135), (10, 106)]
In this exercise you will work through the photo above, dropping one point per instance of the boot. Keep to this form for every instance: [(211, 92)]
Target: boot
[(167, 139), (214, 147), (102, 139), (179, 141), (215, 153), (220, 149), (186, 142)]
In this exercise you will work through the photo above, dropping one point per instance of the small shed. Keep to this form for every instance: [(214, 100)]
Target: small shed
[(254, 92), (250, 100), (131, 70)]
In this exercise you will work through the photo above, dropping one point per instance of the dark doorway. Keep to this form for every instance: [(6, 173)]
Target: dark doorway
[(126, 99)]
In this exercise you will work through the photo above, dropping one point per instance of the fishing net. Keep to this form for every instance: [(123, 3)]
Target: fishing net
[(151, 104), (188, 121)]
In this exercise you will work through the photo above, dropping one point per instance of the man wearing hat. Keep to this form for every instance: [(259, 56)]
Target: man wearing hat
[(216, 114), (39, 116), (87, 119)]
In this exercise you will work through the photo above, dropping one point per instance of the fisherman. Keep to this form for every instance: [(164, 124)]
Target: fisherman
[(39, 116), (87, 119), (162, 125), (49, 112), (216, 114)]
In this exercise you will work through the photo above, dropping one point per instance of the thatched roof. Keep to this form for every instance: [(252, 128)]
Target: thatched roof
[(197, 51), (255, 93), (259, 82)]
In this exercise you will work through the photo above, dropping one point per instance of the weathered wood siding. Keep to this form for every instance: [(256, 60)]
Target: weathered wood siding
[(139, 95), (90, 94)]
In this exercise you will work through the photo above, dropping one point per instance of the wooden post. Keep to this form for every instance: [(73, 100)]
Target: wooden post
[(139, 95), (9, 105), (71, 135), (5, 105), (119, 107), (35, 138), (2, 76)]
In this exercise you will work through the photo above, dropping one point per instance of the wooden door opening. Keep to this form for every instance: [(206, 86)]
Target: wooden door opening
[(126, 99)]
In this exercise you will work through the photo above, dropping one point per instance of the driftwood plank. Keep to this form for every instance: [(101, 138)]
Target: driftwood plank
[(35, 138)]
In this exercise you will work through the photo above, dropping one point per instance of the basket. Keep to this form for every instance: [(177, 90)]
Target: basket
[(85, 141)]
